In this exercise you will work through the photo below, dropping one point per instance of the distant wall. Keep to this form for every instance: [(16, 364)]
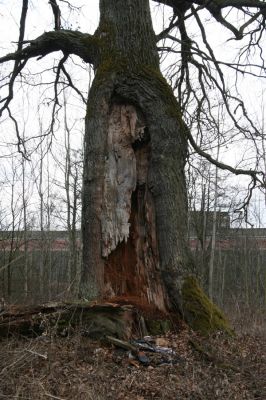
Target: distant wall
[(38, 270), (43, 270)]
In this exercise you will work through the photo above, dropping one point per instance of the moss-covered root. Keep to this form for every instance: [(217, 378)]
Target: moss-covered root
[(199, 312)]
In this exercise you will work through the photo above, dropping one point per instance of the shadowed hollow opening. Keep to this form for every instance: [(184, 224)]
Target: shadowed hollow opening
[(132, 268)]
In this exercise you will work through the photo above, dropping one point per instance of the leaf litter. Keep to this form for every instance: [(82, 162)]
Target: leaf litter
[(181, 365)]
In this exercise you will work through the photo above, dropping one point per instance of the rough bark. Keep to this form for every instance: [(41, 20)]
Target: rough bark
[(134, 192), (69, 42)]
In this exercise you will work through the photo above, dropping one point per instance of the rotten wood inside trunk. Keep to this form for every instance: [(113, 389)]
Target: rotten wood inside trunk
[(128, 218)]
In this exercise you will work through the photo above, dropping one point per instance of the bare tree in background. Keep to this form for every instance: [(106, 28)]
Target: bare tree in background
[(72, 167), (137, 134)]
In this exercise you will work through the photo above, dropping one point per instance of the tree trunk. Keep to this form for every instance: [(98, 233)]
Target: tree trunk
[(213, 238), (25, 233), (134, 191)]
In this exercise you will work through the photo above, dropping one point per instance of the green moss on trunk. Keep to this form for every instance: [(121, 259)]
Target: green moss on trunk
[(200, 313), (158, 326)]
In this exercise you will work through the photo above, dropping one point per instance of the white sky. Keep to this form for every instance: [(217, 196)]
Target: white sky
[(40, 20)]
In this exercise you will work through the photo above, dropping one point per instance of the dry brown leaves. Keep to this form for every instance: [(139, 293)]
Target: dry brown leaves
[(79, 368)]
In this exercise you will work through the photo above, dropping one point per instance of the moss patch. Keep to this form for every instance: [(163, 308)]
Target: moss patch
[(158, 327), (200, 313)]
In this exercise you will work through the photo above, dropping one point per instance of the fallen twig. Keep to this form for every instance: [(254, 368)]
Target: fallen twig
[(53, 397), (37, 354)]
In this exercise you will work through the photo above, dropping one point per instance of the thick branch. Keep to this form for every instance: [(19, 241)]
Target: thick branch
[(215, 8), (69, 42), (219, 4)]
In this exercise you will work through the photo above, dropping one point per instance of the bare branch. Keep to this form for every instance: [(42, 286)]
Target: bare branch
[(20, 142), (215, 8), (173, 23), (257, 176), (218, 4), (69, 42), (18, 65), (56, 100), (70, 82)]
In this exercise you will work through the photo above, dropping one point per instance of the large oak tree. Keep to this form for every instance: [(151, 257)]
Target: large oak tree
[(136, 140)]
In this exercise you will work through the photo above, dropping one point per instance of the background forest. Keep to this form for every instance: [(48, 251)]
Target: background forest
[(42, 158)]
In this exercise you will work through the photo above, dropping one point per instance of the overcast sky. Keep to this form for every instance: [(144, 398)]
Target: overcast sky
[(40, 20)]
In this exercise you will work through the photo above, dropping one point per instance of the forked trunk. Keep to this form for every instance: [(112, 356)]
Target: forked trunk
[(134, 193)]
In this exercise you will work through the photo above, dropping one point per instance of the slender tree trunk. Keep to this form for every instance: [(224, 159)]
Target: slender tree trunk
[(134, 190), (223, 278), (73, 238), (12, 238), (68, 196), (214, 226), (25, 232), (246, 280), (213, 239), (71, 190), (41, 260), (49, 288)]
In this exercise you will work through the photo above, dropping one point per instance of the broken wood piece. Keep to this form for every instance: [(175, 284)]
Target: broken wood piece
[(142, 344), (121, 343), (95, 321)]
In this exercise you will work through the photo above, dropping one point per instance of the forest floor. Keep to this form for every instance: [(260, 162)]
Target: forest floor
[(76, 367)]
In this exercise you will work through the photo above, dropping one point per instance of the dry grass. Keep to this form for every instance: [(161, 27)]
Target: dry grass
[(79, 368), (248, 320)]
